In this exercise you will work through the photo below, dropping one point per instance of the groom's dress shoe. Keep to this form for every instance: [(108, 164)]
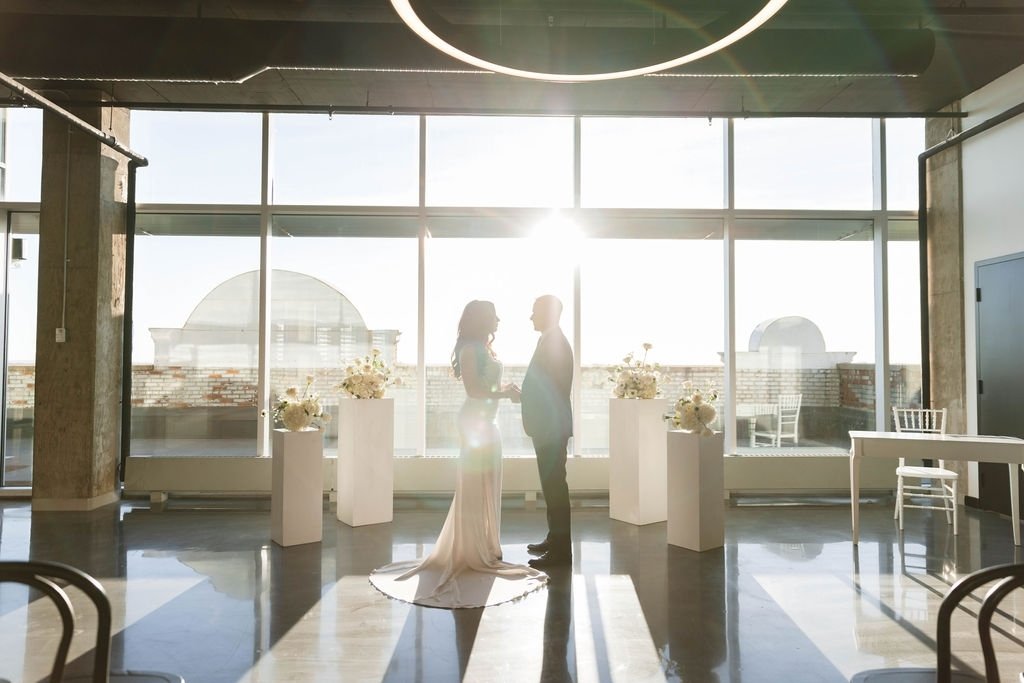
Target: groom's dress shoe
[(538, 548), (551, 559)]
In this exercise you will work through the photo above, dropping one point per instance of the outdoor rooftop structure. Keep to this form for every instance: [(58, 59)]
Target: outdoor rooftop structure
[(789, 342), (312, 325)]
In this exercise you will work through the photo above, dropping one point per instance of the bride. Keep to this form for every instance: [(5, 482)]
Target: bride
[(465, 568)]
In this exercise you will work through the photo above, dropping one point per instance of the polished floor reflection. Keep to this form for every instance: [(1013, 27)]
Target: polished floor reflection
[(200, 590)]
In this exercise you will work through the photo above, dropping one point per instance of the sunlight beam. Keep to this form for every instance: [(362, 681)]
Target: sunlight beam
[(558, 235), (632, 655), (351, 632)]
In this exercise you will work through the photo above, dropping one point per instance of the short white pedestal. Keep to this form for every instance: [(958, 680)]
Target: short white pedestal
[(696, 491), (636, 460), (366, 471), (297, 487)]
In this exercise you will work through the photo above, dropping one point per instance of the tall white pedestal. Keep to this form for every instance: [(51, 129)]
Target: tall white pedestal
[(696, 491), (297, 487), (636, 460), (366, 474)]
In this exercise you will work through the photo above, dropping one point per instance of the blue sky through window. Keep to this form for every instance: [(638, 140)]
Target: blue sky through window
[(781, 164)]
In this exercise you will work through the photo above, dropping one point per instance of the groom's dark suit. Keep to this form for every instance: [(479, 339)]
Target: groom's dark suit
[(547, 419)]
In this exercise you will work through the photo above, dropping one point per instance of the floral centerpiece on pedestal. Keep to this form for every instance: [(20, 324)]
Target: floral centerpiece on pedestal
[(694, 410), (300, 411), (367, 377), (635, 378)]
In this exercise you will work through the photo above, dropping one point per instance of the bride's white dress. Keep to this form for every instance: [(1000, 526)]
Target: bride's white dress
[(465, 568)]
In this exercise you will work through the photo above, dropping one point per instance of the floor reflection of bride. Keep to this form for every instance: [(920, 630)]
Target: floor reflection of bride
[(465, 568)]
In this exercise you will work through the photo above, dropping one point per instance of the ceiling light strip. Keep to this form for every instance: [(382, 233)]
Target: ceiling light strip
[(413, 21)]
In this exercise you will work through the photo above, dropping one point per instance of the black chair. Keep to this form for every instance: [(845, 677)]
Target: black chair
[(51, 578), (1010, 576)]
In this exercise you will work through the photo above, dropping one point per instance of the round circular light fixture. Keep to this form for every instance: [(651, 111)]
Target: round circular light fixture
[(413, 21)]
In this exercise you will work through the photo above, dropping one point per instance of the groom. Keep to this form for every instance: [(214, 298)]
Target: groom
[(547, 419)]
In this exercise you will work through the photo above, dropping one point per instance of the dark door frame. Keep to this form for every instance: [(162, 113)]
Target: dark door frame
[(999, 473)]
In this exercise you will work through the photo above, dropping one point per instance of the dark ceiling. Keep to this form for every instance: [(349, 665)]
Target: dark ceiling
[(814, 57)]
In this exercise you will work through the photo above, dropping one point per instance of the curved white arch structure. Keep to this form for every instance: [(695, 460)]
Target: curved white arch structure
[(413, 21)]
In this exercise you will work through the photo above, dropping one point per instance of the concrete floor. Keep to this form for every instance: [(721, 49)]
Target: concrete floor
[(199, 590)]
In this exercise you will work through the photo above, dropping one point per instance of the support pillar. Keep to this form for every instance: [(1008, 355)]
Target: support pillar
[(945, 275), (81, 290), (946, 280)]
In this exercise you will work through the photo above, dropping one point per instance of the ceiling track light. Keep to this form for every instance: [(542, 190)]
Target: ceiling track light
[(413, 21)]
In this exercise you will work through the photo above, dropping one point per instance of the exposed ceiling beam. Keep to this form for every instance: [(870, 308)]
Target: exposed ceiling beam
[(232, 50), (824, 57)]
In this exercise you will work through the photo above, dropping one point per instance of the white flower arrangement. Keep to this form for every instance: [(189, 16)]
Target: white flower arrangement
[(694, 411), (298, 411), (367, 377), (636, 378)]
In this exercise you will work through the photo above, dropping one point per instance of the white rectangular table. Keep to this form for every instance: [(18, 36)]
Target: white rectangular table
[(963, 447)]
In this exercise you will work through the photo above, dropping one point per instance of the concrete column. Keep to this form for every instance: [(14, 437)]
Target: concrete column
[(946, 281), (81, 288), (945, 275)]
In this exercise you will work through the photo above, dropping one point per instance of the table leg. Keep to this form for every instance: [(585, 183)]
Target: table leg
[(1015, 502), (855, 491)]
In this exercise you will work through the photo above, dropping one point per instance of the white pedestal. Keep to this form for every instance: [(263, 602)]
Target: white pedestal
[(636, 460), (366, 474), (696, 486), (297, 487)]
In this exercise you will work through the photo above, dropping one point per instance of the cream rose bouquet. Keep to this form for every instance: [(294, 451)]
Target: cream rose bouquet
[(694, 410), (635, 378), (367, 377), (297, 411)]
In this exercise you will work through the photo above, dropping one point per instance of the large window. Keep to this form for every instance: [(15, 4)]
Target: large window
[(22, 155), (904, 142), (804, 333), (499, 161), (652, 163), (904, 315), (512, 273), (198, 157), (667, 293), (353, 160), (334, 300), (347, 276), (803, 163), (195, 339)]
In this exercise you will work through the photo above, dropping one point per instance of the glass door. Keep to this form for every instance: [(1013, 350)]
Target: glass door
[(22, 271)]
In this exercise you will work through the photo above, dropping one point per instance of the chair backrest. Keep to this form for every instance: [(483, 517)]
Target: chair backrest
[(1011, 576), (46, 576), (789, 413), (920, 420), (789, 404)]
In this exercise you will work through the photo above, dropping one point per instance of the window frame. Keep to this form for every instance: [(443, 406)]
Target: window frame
[(425, 221)]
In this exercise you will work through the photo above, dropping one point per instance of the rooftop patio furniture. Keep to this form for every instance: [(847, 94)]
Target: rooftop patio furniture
[(785, 422)]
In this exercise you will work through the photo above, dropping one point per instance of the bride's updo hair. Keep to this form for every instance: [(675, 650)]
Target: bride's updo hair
[(475, 325)]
